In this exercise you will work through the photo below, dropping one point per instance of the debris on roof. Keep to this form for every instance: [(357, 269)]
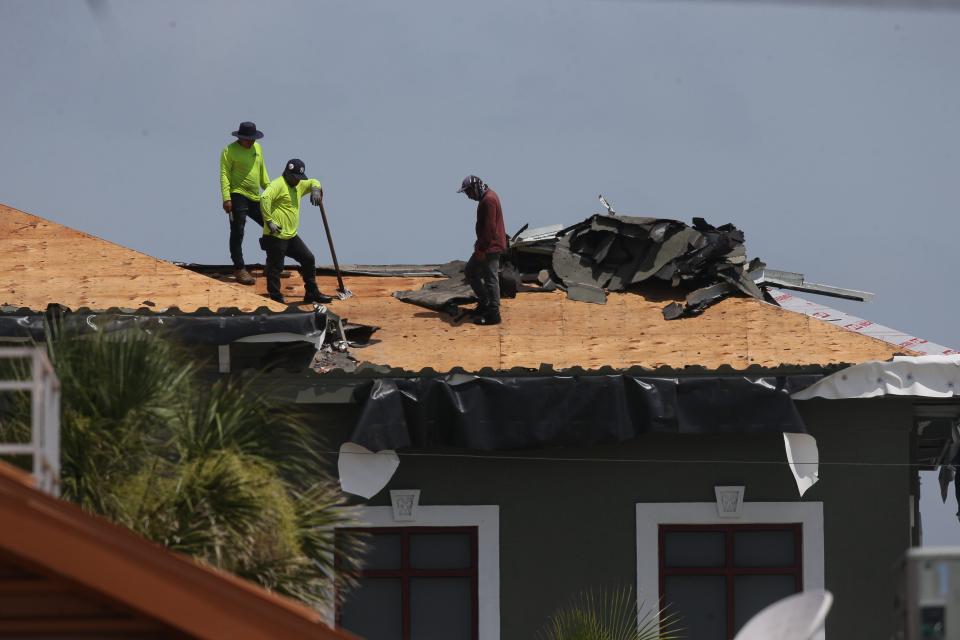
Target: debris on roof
[(444, 295), (607, 252), (549, 330), (612, 253), (798, 282)]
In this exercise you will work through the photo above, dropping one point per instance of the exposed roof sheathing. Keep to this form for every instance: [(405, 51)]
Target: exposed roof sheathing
[(42, 262), (628, 331)]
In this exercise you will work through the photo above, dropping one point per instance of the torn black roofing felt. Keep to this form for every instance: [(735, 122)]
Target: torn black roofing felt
[(202, 326), (613, 253), (444, 294)]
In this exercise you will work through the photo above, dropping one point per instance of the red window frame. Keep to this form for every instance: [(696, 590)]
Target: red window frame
[(406, 572), (729, 571)]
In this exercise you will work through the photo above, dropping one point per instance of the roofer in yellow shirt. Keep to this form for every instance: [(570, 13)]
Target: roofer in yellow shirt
[(242, 175), (280, 204)]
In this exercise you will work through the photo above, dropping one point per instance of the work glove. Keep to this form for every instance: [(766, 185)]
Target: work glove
[(274, 229), (227, 206), (316, 196)]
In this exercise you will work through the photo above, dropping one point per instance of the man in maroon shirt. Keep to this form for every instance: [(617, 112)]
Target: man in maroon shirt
[(483, 268)]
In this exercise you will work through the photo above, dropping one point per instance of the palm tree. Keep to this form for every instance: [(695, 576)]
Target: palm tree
[(611, 614), (217, 470)]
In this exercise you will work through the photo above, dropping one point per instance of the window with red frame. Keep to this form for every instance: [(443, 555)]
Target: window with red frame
[(418, 583), (716, 577)]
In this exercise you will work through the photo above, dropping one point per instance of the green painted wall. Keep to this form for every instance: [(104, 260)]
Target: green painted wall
[(566, 526)]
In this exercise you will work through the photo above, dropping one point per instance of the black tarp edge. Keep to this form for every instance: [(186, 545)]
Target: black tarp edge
[(507, 413)]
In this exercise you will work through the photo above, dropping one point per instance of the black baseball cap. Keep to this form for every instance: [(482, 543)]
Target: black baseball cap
[(296, 168), (468, 182)]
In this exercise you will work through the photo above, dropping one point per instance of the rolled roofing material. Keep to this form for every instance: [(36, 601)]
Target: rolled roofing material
[(919, 376)]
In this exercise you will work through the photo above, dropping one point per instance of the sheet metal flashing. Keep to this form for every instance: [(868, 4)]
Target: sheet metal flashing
[(202, 326), (797, 282)]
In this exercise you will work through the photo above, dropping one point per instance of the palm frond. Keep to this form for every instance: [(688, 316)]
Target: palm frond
[(237, 414), (609, 614)]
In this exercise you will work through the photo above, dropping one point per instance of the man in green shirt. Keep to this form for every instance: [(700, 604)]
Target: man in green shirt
[(242, 175), (280, 204)]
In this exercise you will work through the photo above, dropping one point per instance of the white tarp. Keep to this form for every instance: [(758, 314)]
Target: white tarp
[(917, 376), (363, 472), (803, 458)]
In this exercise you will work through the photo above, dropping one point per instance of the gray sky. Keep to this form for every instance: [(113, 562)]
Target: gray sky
[(828, 134)]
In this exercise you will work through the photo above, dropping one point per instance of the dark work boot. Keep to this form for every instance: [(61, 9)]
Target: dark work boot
[(490, 316), (315, 296), (244, 277)]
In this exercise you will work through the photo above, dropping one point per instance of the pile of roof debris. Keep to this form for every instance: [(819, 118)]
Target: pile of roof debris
[(608, 252), (333, 348)]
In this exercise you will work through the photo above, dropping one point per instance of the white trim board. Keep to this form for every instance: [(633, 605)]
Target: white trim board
[(486, 518), (650, 515)]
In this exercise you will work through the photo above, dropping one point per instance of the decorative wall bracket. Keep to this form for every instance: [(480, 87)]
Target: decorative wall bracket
[(729, 501), (405, 503)]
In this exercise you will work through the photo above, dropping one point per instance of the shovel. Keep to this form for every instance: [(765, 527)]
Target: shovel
[(342, 292)]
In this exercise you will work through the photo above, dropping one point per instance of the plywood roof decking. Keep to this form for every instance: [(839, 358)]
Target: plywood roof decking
[(42, 262), (547, 328)]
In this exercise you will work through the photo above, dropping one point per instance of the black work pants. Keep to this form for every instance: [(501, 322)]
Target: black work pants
[(277, 249), (484, 278), (243, 208)]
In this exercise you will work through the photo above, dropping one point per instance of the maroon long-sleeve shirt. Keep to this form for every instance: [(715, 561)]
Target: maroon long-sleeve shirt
[(491, 235)]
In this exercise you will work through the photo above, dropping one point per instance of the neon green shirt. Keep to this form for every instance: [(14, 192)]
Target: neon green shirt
[(242, 171), (280, 204)]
